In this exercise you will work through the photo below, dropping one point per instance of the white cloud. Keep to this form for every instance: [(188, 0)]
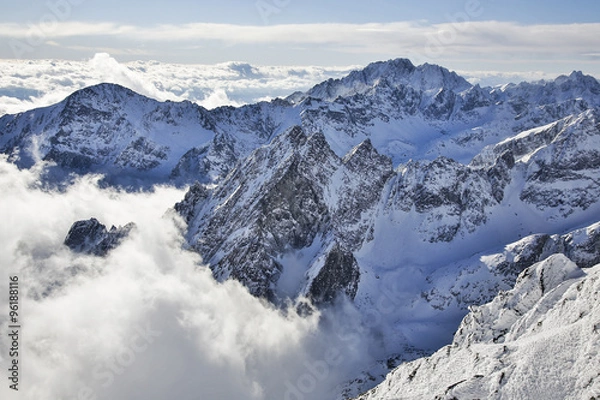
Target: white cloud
[(469, 37), (107, 69), (36, 83), (148, 321), (218, 98), (495, 78)]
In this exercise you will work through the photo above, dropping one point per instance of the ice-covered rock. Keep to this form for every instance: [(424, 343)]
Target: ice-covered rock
[(538, 340)]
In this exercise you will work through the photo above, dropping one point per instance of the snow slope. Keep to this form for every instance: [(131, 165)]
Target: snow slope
[(537, 340)]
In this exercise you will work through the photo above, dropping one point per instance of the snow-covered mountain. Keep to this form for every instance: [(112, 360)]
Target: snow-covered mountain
[(403, 189), (407, 111)]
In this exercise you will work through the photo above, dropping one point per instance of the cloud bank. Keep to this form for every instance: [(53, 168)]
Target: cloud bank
[(36, 83), (149, 321), (462, 40)]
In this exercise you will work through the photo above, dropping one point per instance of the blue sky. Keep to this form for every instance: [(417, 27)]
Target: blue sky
[(246, 12), (551, 36)]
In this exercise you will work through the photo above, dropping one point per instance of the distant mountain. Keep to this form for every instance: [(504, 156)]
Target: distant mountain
[(403, 189), (407, 111)]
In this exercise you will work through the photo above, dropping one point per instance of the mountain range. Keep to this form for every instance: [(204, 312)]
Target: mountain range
[(402, 189)]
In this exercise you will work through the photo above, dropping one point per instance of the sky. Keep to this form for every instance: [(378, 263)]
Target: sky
[(551, 36)]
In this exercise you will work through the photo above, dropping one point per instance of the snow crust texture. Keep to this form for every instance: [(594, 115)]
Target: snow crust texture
[(537, 340)]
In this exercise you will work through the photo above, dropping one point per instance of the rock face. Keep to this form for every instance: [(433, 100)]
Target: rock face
[(562, 159), (517, 345), (338, 275), (292, 200), (279, 201), (453, 197), (91, 237)]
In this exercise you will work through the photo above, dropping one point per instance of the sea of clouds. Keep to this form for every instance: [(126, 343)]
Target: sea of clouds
[(148, 321), (28, 84)]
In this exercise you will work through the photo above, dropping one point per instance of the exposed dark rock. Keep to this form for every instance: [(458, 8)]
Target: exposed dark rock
[(339, 275), (194, 197), (91, 237), (581, 246), (499, 174)]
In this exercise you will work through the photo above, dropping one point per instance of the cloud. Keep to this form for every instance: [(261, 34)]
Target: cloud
[(499, 33), (495, 78), (107, 69), (149, 321), (37, 83), (373, 38), (218, 98)]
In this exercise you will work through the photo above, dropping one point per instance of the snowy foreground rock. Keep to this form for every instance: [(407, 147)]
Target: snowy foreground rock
[(539, 340)]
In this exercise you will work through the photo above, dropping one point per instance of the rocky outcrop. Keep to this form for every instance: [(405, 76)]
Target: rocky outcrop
[(453, 197), (288, 197), (339, 275), (91, 237)]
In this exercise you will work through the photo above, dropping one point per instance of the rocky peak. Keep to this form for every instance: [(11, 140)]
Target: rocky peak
[(92, 237), (567, 91), (195, 196), (102, 93), (577, 80), (292, 196), (434, 77), (393, 73), (362, 152), (271, 204)]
